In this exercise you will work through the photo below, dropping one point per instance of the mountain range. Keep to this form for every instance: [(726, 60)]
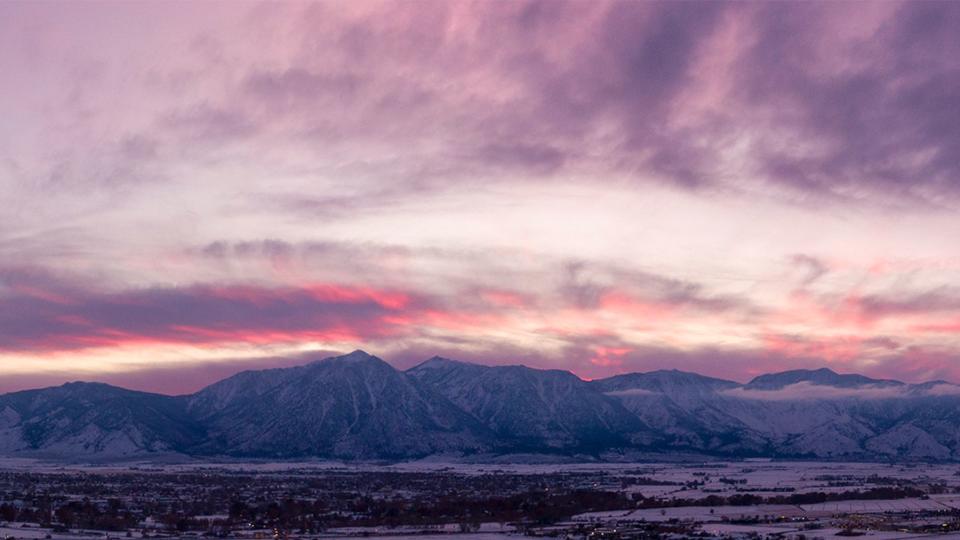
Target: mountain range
[(358, 407)]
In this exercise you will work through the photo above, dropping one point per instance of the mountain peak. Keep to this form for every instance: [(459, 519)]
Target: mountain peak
[(440, 362), (358, 354), (351, 406), (83, 384), (822, 377), (664, 381), (96, 389)]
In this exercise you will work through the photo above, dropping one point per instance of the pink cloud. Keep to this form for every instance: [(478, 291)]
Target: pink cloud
[(281, 138), (609, 356)]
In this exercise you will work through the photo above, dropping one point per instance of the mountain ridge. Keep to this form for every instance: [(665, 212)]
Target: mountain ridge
[(822, 376), (359, 407)]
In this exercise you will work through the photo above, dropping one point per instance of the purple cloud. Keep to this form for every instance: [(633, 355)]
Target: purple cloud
[(41, 313)]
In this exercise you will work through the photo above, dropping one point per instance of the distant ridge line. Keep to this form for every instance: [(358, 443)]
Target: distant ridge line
[(358, 407)]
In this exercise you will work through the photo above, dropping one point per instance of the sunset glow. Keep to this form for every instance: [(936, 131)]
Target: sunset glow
[(188, 190)]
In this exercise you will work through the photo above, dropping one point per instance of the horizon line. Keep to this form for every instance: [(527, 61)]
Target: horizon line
[(447, 359)]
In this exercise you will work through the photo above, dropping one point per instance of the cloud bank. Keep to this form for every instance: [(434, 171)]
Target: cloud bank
[(722, 187)]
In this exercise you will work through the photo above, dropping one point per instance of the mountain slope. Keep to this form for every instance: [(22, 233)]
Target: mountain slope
[(355, 406), (798, 413), (92, 418), (685, 408), (533, 409), (359, 407)]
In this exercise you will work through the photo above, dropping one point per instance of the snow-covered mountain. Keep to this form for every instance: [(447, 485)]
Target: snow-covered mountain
[(92, 418), (535, 409), (684, 408), (822, 377), (799, 413), (353, 406), (359, 407)]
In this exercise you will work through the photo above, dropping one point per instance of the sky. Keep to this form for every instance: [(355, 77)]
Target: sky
[(192, 189)]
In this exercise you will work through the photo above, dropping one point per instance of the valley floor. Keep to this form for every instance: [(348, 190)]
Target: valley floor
[(433, 499)]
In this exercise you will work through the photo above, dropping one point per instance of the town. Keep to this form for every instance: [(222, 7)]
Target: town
[(748, 499)]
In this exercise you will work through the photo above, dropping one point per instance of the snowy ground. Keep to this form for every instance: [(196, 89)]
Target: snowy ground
[(678, 481)]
